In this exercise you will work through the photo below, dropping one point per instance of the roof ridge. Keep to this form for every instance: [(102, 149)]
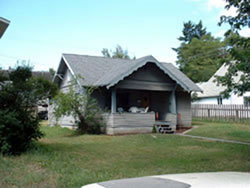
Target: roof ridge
[(100, 72), (101, 57), (110, 58)]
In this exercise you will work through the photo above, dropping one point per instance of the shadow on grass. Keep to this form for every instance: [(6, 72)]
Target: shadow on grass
[(48, 149), (196, 122)]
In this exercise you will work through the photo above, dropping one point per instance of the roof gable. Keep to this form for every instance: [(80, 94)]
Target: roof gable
[(102, 71), (4, 23), (211, 88)]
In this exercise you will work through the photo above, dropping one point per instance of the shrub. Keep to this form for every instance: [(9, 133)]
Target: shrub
[(17, 131), (19, 95), (82, 106)]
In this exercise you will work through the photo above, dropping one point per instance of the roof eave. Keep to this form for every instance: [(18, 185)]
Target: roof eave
[(161, 67), (63, 59), (4, 23)]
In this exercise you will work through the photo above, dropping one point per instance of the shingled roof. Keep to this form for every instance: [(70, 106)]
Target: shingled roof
[(211, 88), (4, 23), (103, 71)]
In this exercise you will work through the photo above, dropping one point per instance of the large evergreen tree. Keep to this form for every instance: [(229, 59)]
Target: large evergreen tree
[(192, 30)]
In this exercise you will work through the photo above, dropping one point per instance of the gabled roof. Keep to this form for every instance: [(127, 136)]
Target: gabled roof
[(3, 25), (103, 71), (210, 88)]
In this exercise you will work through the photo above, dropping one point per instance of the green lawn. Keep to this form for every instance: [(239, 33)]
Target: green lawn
[(63, 159), (225, 130)]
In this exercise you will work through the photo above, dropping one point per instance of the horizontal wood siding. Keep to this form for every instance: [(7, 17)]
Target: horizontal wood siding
[(184, 113), (65, 121), (67, 78), (173, 119), (149, 77), (145, 85), (125, 123)]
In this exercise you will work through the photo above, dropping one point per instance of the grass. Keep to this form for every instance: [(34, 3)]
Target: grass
[(224, 130), (63, 159)]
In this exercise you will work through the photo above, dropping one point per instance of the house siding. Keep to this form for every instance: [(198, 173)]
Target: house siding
[(160, 103), (233, 99), (127, 123), (149, 77), (184, 113), (103, 97), (65, 121)]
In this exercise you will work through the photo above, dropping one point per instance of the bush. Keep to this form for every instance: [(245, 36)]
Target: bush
[(96, 124), (82, 106), (19, 95), (17, 131)]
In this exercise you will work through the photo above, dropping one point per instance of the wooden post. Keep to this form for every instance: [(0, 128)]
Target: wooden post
[(113, 100), (172, 106), (237, 113)]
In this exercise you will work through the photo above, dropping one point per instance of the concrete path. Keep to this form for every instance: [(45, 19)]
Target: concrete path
[(193, 180), (145, 182), (215, 139)]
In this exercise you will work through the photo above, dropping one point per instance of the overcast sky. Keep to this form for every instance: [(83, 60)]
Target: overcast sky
[(40, 31)]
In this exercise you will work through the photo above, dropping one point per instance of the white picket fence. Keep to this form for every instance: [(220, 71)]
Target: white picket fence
[(224, 112)]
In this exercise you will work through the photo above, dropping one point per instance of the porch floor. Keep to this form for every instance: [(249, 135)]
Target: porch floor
[(160, 122)]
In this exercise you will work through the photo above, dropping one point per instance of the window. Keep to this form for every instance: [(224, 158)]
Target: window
[(247, 101), (219, 100)]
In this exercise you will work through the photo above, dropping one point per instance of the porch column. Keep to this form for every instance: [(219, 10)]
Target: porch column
[(172, 101), (113, 100)]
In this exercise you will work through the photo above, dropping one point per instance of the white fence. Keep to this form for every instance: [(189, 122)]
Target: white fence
[(224, 112)]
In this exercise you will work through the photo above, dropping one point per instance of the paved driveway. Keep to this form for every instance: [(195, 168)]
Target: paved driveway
[(194, 180)]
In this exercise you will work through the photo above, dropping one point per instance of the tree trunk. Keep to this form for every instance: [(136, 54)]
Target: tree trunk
[(83, 127)]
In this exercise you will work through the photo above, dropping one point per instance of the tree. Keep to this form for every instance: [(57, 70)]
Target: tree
[(19, 94), (200, 58), (192, 30), (106, 53), (239, 49), (242, 19), (82, 106), (199, 54), (52, 72), (118, 53)]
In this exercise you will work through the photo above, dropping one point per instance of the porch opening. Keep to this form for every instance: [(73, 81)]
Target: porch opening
[(143, 101)]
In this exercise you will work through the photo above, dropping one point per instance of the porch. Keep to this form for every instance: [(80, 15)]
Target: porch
[(137, 111)]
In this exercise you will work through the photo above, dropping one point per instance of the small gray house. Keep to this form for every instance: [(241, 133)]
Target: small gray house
[(134, 94)]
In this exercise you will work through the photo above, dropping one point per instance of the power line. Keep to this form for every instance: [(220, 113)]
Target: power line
[(10, 57), (207, 54)]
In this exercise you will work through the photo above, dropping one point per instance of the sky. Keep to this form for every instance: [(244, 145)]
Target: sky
[(40, 31)]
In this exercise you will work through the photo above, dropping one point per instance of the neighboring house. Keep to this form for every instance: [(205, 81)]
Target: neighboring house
[(130, 92), (3, 26), (212, 92)]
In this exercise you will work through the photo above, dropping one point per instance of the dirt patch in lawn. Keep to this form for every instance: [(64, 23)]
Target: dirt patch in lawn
[(182, 129)]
